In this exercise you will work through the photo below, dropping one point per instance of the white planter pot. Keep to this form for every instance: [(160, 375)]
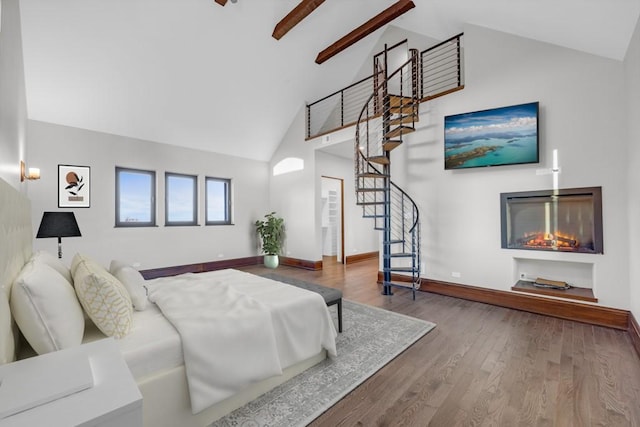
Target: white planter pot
[(271, 261)]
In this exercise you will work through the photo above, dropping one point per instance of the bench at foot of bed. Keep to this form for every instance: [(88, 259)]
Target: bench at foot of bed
[(331, 296)]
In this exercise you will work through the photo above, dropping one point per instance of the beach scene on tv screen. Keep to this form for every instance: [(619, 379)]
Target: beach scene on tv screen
[(501, 136)]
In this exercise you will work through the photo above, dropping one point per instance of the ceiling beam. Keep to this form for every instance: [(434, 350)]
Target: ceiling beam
[(221, 2), (365, 29), (294, 17)]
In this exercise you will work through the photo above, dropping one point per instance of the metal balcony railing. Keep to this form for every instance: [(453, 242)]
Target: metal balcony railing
[(440, 72)]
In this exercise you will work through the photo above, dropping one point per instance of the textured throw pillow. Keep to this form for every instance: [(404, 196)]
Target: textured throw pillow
[(77, 259), (46, 309), (132, 281), (53, 262), (103, 297)]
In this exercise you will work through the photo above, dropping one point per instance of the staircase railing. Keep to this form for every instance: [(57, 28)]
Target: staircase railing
[(439, 72), (441, 68), (340, 109), (378, 132)]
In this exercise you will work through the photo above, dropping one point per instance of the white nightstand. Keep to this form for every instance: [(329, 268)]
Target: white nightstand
[(113, 400)]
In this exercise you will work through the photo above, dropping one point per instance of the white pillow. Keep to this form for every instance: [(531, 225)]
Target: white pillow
[(53, 262), (46, 309), (103, 297), (132, 281), (117, 265)]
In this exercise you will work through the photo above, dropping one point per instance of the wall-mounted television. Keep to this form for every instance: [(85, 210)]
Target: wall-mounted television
[(495, 137)]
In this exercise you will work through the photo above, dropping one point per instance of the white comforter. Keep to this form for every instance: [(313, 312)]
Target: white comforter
[(237, 328)]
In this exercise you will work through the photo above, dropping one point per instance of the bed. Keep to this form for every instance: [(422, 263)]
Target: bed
[(154, 344)]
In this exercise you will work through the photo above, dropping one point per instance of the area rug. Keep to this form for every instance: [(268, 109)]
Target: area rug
[(371, 338)]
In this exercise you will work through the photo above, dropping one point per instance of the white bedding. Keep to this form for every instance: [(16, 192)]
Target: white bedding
[(152, 346), (289, 310)]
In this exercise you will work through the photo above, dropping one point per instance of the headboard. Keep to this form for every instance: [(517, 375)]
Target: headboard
[(16, 238)]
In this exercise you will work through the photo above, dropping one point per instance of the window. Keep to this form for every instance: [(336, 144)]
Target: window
[(135, 198), (181, 199), (218, 201), (287, 165)]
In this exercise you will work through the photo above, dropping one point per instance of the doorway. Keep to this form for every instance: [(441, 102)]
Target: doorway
[(332, 197)]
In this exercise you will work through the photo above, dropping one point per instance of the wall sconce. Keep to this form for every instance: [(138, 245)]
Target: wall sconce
[(34, 173)]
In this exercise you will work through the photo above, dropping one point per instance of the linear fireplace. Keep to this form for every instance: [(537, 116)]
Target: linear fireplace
[(566, 220)]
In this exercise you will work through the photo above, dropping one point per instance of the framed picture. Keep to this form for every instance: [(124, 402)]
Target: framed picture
[(74, 186)]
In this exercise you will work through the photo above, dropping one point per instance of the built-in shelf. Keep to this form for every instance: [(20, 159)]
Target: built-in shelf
[(581, 294), (330, 223)]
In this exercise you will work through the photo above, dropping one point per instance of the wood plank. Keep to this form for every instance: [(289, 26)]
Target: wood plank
[(381, 160), (566, 396), (411, 118), (383, 18), (293, 18), (200, 267), (301, 263), (596, 315), (399, 131), (634, 332), (581, 294), (226, 263), (350, 259), (580, 312)]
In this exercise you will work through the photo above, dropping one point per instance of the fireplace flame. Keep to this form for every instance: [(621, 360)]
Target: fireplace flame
[(541, 239)]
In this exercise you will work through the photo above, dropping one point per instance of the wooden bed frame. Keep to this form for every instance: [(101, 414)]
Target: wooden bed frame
[(165, 394)]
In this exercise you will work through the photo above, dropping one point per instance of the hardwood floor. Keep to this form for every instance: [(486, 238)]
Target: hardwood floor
[(485, 365)]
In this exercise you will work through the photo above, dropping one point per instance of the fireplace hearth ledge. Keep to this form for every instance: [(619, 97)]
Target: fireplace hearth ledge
[(579, 311), (574, 293)]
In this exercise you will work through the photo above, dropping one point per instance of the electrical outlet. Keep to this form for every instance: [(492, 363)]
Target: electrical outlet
[(455, 274), (523, 275)]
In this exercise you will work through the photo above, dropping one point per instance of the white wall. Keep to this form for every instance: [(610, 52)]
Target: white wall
[(632, 87), (360, 237), (296, 196), (582, 114), (293, 195), (391, 36), (13, 110), (50, 145)]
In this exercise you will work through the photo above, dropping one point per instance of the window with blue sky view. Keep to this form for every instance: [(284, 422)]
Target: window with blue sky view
[(218, 200), (181, 199), (135, 197)]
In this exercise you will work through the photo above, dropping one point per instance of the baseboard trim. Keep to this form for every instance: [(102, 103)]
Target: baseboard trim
[(350, 259), (634, 332), (570, 310), (200, 267), (301, 263)]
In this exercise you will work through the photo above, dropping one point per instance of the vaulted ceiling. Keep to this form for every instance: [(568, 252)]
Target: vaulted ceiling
[(199, 75)]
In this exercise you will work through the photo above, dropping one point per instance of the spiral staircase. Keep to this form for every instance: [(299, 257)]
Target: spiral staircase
[(390, 113)]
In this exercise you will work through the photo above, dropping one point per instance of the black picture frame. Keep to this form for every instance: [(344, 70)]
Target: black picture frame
[(74, 186)]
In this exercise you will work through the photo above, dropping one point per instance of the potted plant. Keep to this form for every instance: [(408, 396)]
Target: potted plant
[(271, 231)]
